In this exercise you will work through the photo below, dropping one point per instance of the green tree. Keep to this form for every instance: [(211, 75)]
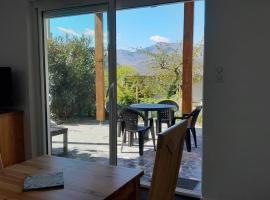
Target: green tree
[(167, 67), (125, 90), (71, 77), (133, 87)]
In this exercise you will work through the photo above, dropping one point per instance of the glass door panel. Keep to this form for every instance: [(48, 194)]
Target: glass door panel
[(150, 70), (76, 65)]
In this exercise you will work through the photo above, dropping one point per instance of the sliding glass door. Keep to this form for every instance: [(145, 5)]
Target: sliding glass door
[(79, 71), (150, 70)]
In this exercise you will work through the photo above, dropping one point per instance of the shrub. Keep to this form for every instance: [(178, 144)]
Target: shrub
[(71, 77)]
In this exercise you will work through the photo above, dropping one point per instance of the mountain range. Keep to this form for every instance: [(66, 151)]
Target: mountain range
[(138, 58)]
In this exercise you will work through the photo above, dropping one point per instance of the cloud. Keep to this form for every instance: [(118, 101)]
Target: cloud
[(89, 32), (68, 31), (157, 38)]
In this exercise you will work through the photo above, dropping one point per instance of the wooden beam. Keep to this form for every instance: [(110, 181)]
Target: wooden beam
[(187, 57), (99, 51)]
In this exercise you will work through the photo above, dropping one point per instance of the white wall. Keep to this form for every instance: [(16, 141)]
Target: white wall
[(15, 51), (236, 162)]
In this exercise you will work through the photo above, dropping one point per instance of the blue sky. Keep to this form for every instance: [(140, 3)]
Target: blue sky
[(141, 27)]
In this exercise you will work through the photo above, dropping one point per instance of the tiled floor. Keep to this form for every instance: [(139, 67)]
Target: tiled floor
[(89, 141)]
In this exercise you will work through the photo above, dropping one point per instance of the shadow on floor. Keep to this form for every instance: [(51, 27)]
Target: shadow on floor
[(91, 147), (145, 192), (144, 163)]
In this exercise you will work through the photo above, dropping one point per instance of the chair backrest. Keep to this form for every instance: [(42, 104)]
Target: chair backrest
[(167, 114), (167, 163), (119, 108), (1, 162), (130, 118), (195, 114)]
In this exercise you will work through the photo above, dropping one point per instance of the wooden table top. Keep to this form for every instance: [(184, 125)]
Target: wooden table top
[(83, 180)]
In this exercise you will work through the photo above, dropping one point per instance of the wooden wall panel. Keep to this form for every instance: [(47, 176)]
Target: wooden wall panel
[(11, 138)]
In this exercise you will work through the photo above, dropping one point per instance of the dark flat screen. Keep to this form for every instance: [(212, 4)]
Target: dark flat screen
[(5, 87)]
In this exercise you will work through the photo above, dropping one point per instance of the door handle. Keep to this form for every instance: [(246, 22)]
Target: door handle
[(109, 89)]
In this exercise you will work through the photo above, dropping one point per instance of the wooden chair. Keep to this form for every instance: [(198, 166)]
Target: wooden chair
[(165, 116), (130, 118), (1, 162), (167, 163)]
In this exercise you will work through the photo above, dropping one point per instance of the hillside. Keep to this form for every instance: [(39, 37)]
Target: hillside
[(139, 60)]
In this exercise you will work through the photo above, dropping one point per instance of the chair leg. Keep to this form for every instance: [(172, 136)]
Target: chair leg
[(173, 121), (153, 137), (141, 143), (158, 126), (124, 136), (119, 129), (130, 139), (188, 141), (122, 127), (193, 130), (123, 140)]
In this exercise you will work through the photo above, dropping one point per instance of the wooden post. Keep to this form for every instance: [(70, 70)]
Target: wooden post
[(187, 57), (99, 51)]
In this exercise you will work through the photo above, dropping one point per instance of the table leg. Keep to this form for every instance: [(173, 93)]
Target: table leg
[(137, 195), (65, 141), (146, 135), (130, 191)]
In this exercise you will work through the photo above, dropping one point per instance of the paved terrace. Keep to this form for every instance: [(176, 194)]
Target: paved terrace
[(88, 140)]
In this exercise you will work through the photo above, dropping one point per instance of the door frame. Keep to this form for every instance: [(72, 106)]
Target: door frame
[(43, 10)]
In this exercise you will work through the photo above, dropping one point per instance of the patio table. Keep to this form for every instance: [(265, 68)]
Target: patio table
[(147, 107)]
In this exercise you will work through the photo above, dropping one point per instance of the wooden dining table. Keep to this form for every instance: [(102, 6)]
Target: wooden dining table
[(82, 180)]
